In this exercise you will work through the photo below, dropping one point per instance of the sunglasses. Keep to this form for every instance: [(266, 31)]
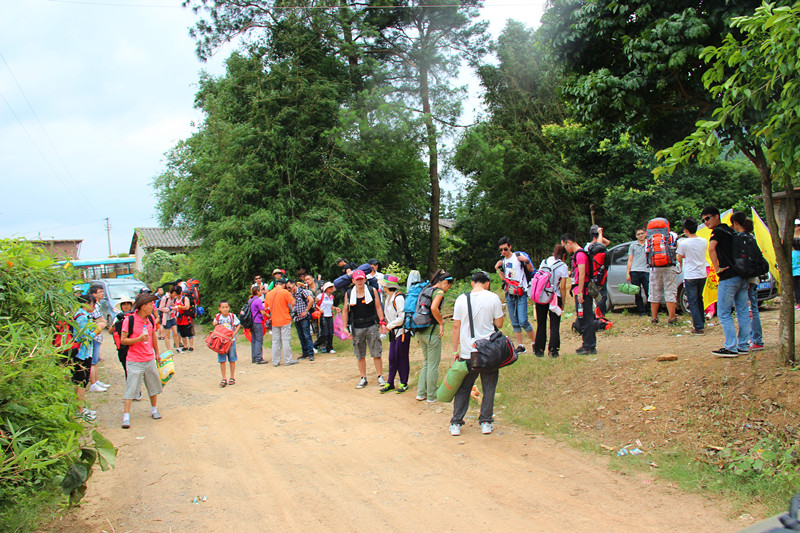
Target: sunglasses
[(706, 218), (504, 248)]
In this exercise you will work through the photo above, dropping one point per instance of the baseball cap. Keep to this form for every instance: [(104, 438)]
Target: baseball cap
[(359, 274)]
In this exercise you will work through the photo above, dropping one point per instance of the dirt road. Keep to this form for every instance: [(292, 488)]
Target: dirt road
[(298, 448)]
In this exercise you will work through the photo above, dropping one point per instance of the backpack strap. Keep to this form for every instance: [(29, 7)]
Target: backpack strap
[(469, 313)]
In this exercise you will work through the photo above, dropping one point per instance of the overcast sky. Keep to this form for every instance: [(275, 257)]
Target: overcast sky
[(92, 94)]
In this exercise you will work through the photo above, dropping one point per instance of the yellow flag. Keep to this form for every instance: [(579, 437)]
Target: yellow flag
[(764, 241)]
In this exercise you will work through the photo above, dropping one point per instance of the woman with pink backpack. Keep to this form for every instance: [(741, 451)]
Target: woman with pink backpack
[(548, 292)]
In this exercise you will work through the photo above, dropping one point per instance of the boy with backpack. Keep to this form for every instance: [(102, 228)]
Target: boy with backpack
[(231, 323), (512, 268), (660, 254)]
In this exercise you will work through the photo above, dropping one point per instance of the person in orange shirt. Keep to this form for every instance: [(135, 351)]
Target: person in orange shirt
[(279, 301)]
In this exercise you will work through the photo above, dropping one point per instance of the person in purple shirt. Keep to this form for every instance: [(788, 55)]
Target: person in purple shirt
[(257, 309)]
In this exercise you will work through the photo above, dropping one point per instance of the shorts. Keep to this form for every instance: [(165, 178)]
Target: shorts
[(169, 324), (364, 338), (663, 284), (139, 371), (186, 331), (96, 352), (230, 356), (78, 367)]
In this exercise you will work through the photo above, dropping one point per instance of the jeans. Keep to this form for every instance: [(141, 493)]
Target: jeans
[(694, 294), (461, 400), (431, 346), (281, 343), (586, 323), (732, 294), (542, 314), (398, 358), (518, 312), (642, 279), (257, 345), (303, 327), (756, 335)]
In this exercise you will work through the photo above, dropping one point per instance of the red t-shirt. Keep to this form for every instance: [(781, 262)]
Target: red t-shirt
[(183, 318), (140, 351)]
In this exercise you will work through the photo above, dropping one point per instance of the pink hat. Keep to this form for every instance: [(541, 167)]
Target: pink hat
[(359, 274)]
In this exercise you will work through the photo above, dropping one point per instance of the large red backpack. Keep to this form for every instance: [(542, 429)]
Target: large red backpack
[(660, 248), (600, 260), (220, 338), (64, 340)]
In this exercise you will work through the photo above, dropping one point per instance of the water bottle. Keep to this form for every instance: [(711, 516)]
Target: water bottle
[(144, 329), (579, 308)]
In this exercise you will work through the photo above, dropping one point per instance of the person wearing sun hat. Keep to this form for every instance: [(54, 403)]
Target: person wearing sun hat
[(278, 273), (399, 339), (324, 303)]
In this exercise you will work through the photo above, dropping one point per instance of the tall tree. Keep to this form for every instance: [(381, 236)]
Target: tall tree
[(755, 80)]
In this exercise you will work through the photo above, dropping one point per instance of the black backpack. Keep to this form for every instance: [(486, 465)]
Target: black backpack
[(246, 316), (747, 260), (492, 353)]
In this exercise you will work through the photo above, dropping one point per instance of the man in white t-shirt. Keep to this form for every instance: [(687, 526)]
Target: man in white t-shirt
[(511, 269), (691, 255), (487, 313)]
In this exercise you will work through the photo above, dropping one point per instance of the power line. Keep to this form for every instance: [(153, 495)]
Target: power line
[(284, 8)]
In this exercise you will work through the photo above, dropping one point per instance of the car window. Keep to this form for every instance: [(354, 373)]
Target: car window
[(619, 255), (115, 292)]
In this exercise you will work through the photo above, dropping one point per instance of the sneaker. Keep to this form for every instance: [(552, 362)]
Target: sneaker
[(538, 353), (386, 387), (96, 387), (381, 381), (724, 352), (672, 321), (191, 349), (586, 351), (311, 358), (455, 430), (698, 332), (755, 347), (86, 414), (332, 351), (402, 388), (293, 362), (102, 384), (177, 350), (126, 422), (155, 414), (553, 354), (262, 362), (486, 427), (654, 321), (432, 400), (520, 348), (315, 350), (421, 398), (302, 357), (362, 383)]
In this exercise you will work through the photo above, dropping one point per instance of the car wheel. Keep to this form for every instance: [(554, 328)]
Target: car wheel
[(683, 301)]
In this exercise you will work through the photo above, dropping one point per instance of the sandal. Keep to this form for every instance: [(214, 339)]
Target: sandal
[(223, 383), (231, 381)]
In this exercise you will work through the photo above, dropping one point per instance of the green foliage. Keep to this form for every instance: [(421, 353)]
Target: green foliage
[(40, 441), (160, 267), (395, 269)]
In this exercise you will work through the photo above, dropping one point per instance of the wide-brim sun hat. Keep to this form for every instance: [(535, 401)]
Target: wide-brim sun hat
[(327, 286), (125, 300), (390, 282)]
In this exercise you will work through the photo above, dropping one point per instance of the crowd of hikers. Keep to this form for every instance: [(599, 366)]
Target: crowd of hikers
[(376, 308)]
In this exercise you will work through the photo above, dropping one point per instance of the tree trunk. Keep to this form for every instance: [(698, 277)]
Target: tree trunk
[(783, 254), (433, 170)]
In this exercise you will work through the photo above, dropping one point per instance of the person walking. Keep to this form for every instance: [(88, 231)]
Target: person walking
[(279, 302), (558, 279), (399, 339), (362, 314), (483, 308), (142, 358), (511, 269), (732, 289), (691, 256), (430, 337), (637, 272)]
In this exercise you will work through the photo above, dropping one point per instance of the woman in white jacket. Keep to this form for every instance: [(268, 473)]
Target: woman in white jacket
[(399, 339)]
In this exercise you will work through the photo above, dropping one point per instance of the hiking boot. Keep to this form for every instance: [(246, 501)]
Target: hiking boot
[(402, 388), (586, 351), (724, 352), (520, 348), (486, 427), (362, 383), (455, 430)]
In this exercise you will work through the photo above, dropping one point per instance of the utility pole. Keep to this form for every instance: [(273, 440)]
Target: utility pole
[(108, 231)]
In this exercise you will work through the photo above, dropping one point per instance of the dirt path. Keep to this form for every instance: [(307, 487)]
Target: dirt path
[(298, 448)]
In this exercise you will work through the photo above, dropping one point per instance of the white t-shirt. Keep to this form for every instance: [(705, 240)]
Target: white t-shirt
[(561, 271), (230, 321), (325, 304), (513, 269), (486, 307), (693, 250)]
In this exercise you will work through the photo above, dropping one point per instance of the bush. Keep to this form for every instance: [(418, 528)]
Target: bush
[(43, 447)]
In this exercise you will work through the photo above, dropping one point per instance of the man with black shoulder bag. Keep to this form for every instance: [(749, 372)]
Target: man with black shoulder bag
[(483, 313)]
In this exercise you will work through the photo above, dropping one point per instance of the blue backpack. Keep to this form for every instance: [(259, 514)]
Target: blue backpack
[(414, 318)]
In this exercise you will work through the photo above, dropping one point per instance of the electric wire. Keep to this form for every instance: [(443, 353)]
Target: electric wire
[(281, 8)]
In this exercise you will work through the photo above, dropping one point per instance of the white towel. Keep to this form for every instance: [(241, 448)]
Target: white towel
[(367, 295)]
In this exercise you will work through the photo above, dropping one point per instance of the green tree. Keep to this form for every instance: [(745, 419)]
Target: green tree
[(755, 80)]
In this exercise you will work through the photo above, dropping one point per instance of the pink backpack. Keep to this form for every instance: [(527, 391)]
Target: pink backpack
[(543, 283)]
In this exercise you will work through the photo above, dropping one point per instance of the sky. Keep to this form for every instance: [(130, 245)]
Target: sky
[(93, 93)]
